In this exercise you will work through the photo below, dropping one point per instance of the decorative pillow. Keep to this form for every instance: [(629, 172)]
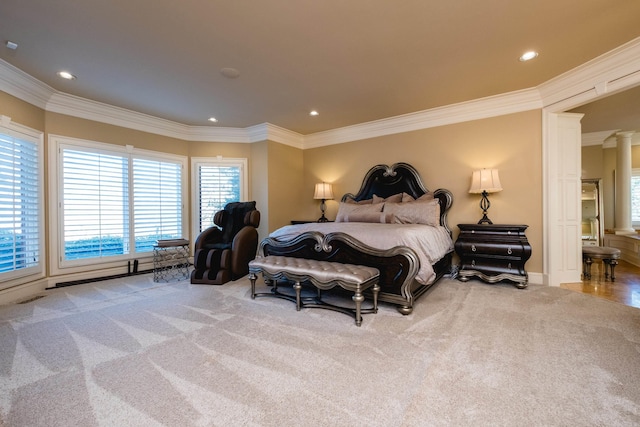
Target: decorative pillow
[(406, 198), (426, 196), (347, 209), (418, 212), (361, 202), (379, 217), (396, 198)]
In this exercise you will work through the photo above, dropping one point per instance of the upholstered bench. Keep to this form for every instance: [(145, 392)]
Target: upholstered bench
[(609, 257), (323, 275)]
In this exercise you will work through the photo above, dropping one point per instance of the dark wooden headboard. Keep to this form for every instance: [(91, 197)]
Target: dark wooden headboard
[(385, 181)]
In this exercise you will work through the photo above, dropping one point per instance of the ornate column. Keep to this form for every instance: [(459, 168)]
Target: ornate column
[(623, 224)]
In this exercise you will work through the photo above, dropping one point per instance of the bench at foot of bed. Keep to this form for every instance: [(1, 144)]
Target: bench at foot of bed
[(323, 275)]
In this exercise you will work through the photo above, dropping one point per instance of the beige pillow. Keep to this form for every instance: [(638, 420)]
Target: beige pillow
[(396, 198), (378, 217), (345, 210), (418, 212), (426, 196), (361, 202), (406, 198)]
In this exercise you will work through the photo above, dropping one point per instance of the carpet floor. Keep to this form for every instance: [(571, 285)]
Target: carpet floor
[(131, 352)]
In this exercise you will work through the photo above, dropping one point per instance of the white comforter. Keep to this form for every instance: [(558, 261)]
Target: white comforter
[(430, 243)]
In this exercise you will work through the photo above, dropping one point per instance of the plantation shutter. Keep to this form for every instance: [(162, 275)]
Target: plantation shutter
[(95, 204), (19, 204), (157, 202), (219, 185)]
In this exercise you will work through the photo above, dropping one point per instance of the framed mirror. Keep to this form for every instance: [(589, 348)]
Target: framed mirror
[(592, 221)]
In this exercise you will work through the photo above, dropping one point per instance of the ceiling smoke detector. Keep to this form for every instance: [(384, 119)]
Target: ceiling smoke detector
[(231, 73)]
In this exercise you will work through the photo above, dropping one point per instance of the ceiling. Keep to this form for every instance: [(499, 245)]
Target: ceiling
[(353, 61)]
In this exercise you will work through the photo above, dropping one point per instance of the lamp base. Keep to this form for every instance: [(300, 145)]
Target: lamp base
[(485, 205), (323, 206), (485, 220), (323, 219)]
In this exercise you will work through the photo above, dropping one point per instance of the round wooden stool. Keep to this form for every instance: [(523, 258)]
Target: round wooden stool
[(609, 257)]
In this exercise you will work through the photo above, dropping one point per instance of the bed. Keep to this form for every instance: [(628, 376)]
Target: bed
[(392, 223)]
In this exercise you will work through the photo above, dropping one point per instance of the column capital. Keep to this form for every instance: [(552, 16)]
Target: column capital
[(625, 134)]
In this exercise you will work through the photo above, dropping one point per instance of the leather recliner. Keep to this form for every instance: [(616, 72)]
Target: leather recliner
[(223, 253)]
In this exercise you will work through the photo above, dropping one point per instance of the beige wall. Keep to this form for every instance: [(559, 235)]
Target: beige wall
[(282, 178), (446, 157), (21, 112)]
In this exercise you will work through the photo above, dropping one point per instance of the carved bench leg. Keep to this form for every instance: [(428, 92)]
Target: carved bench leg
[(252, 278), (358, 298), (375, 290), (298, 287), (612, 265), (587, 269)]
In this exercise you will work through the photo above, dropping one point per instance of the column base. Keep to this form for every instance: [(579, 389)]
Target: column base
[(623, 231)]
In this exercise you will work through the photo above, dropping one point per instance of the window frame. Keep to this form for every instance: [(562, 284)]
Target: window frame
[(16, 277), (196, 163), (58, 264)]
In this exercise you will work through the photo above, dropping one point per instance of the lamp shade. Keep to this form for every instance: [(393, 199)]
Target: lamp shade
[(323, 191), (485, 180)]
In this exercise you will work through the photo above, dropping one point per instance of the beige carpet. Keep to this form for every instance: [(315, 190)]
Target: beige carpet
[(135, 353)]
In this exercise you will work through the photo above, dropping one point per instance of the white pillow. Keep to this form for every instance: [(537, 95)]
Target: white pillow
[(418, 212)]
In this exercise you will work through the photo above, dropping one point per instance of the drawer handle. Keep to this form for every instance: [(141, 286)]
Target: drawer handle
[(473, 248), (509, 266), (473, 262), (509, 251)]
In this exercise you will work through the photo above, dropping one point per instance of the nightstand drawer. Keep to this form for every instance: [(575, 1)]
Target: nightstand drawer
[(467, 248)]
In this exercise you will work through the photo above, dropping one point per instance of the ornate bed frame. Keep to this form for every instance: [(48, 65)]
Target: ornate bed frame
[(398, 266)]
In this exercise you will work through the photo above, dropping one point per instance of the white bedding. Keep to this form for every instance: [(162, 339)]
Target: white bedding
[(430, 243)]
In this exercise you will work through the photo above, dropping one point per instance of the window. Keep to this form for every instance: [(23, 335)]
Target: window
[(635, 197), (20, 202), (216, 182), (116, 202)]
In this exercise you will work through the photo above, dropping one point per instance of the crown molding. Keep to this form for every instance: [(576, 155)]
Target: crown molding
[(492, 106), (17, 83), (267, 131), (607, 74), (597, 138)]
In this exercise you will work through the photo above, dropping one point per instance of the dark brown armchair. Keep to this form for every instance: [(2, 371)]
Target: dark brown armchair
[(223, 253)]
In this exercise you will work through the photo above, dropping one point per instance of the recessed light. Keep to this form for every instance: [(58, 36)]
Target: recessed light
[(313, 113), (527, 56), (66, 75), (213, 120)]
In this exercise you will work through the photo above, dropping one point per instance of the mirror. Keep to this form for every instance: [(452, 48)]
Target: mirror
[(592, 223)]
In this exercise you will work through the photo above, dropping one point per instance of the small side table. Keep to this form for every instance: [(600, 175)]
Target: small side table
[(171, 260)]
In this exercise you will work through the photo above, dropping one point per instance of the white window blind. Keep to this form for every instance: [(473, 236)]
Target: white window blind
[(19, 204), (157, 202), (116, 203), (219, 184), (95, 204)]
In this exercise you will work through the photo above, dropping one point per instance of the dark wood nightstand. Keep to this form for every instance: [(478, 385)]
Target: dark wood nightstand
[(493, 253)]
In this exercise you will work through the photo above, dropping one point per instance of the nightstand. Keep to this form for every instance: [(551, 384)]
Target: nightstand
[(493, 253)]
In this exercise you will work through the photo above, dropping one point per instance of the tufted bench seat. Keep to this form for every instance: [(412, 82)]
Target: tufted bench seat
[(323, 275), (609, 257)]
